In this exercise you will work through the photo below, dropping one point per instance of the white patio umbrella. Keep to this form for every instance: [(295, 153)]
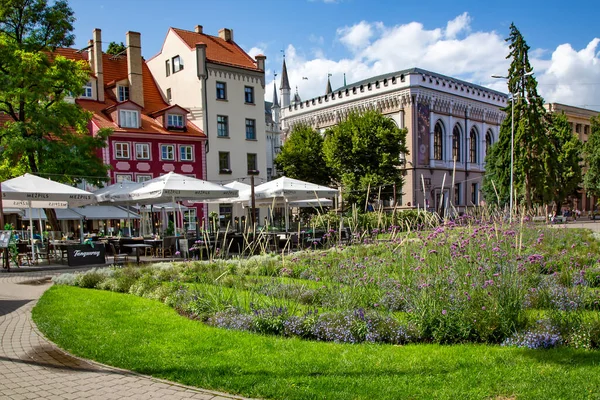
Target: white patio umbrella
[(173, 186), (34, 189), (288, 189)]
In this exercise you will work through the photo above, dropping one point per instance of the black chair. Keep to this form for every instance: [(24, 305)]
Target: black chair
[(118, 257)]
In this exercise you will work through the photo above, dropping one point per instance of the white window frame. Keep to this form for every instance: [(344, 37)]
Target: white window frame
[(191, 153), (171, 117), (189, 217), (123, 177), (129, 119), (142, 177), (121, 93), (120, 149), (139, 148), (172, 146), (88, 92)]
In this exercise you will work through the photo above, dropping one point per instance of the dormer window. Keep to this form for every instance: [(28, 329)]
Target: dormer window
[(87, 91), (129, 119), (175, 121), (177, 64), (123, 93)]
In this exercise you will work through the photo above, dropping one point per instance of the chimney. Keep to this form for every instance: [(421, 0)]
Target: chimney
[(96, 60), (260, 61), (198, 29), (201, 60), (226, 34), (134, 67)]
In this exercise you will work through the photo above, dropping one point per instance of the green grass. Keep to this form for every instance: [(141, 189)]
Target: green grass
[(148, 337)]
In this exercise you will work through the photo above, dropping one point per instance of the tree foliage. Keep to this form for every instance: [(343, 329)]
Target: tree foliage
[(591, 152), (530, 139), (364, 152), (301, 156), (563, 159), (41, 132), (115, 48)]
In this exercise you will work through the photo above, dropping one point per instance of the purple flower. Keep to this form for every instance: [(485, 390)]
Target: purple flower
[(444, 312)]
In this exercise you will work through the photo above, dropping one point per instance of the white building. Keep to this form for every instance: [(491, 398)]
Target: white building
[(446, 119), (224, 89)]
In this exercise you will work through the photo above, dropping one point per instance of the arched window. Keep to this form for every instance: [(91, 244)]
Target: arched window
[(489, 140), (456, 143), (473, 146), (438, 142)]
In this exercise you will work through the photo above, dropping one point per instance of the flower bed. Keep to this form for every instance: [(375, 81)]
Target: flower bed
[(520, 285)]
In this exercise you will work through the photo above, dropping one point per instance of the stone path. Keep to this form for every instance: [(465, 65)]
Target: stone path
[(31, 367)]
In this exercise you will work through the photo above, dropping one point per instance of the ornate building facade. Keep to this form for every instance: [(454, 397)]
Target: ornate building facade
[(450, 123)]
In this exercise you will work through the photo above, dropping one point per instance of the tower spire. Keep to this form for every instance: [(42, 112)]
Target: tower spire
[(275, 100), (328, 88), (284, 86)]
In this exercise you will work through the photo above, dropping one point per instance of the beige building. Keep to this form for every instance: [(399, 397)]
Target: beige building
[(581, 127), (224, 90), (446, 119)]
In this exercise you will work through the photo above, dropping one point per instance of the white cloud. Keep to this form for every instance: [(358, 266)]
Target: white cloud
[(458, 25), (254, 51), (568, 76), (357, 36)]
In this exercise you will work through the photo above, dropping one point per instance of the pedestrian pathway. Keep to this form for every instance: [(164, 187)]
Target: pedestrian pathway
[(31, 367)]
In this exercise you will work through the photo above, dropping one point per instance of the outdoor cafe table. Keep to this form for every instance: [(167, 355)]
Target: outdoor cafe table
[(155, 243), (137, 247)]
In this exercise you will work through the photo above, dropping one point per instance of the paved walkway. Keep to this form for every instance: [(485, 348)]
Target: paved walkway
[(31, 367)]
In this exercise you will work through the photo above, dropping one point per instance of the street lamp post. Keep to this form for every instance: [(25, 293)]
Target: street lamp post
[(512, 146)]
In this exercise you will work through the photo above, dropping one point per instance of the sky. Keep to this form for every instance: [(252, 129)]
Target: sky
[(359, 38)]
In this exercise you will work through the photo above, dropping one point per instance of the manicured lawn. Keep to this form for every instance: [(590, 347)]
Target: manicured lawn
[(149, 337)]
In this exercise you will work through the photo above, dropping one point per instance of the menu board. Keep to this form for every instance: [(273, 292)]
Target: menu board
[(5, 239)]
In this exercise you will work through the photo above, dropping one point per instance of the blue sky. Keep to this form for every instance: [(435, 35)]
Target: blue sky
[(363, 38)]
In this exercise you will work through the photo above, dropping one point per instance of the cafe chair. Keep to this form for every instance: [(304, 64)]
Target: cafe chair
[(118, 257), (24, 253)]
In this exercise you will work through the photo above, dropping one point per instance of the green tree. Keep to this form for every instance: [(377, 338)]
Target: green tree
[(115, 48), (42, 133), (563, 159), (364, 152), (591, 156), (530, 139), (301, 156)]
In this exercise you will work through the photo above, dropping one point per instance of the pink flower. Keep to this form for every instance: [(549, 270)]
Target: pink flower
[(444, 312)]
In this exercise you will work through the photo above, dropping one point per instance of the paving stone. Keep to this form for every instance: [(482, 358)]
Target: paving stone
[(31, 367)]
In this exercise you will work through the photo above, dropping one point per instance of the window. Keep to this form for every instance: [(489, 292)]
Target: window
[(222, 126), (87, 90), (175, 120), (249, 94), (122, 178), (169, 97), (224, 162), (438, 142), (142, 151), (251, 160), (578, 128), (143, 177), (456, 144), (586, 129), (167, 152), (129, 119), (473, 146), (474, 194), (177, 64), (168, 67), (488, 142), (123, 93), (269, 173), (186, 153), (221, 91), (457, 194), (250, 129), (122, 150), (190, 219)]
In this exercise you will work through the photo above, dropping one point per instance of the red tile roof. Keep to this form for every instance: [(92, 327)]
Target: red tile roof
[(218, 50)]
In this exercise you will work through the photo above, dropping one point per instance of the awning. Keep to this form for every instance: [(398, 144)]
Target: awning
[(89, 213)]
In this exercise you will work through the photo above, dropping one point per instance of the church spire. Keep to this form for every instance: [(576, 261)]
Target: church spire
[(328, 88), (275, 100), (284, 87), (285, 83)]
